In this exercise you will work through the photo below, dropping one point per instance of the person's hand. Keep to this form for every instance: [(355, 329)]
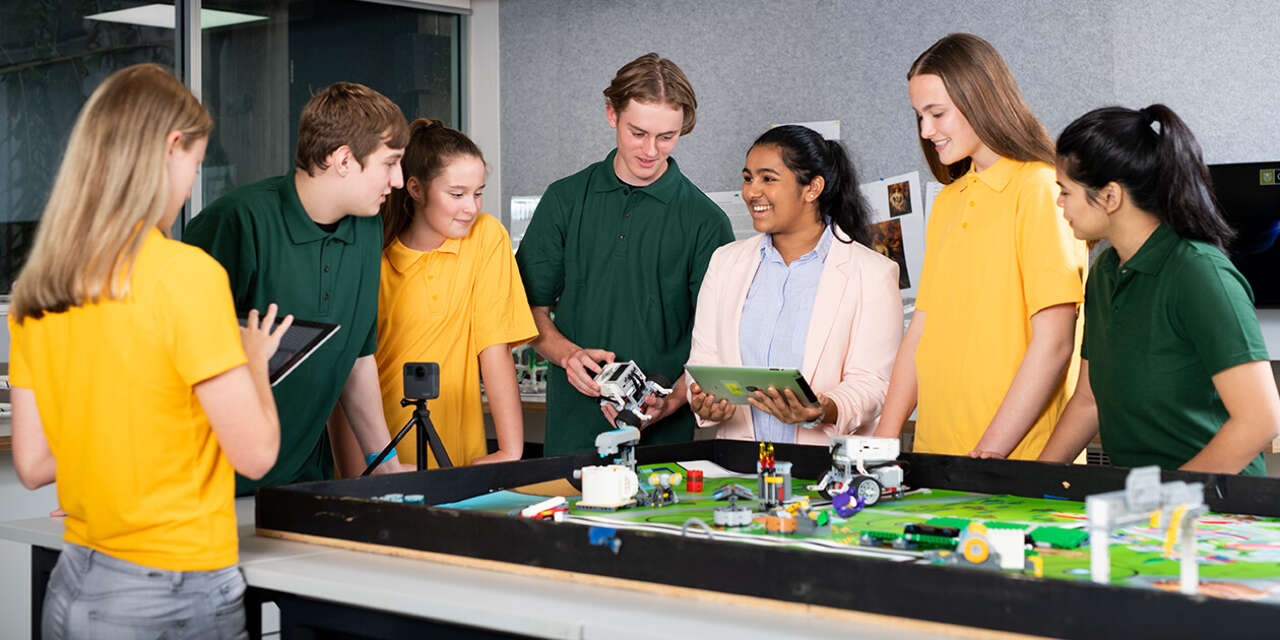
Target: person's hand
[(986, 455), (785, 406), (581, 367), (707, 407), (610, 412), (58, 513), (658, 408), (260, 342), (392, 465)]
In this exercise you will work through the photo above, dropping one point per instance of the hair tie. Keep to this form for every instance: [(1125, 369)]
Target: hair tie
[(434, 124), (1150, 120)]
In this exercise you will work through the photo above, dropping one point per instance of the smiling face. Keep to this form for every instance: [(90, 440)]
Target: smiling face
[(646, 133), (369, 185), (777, 201), (448, 206), (1087, 216), (942, 123), (182, 166)]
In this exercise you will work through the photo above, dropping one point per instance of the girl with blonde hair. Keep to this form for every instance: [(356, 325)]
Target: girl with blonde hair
[(144, 468), (991, 368)]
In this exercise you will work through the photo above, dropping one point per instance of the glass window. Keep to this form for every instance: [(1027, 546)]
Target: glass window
[(52, 56), (257, 75), (261, 61)]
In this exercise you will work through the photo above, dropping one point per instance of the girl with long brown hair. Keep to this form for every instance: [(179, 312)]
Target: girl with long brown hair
[(990, 370)]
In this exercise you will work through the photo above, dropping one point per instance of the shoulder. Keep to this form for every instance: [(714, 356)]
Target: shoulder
[(1197, 263), (575, 182), (865, 257), (247, 198), (487, 231), (738, 249), (180, 264)]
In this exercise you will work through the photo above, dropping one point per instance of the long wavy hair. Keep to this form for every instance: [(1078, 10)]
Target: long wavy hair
[(111, 189), (983, 89)]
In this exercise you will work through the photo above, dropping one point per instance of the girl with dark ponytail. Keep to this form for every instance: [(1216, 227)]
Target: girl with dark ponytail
[(806, 294), (1174, 370), (450, 293)]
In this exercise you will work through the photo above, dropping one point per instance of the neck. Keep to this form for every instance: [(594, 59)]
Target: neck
[(317, 198), (1130, 230), (620, 168), (419, 235), (793, 244), (983, 158)]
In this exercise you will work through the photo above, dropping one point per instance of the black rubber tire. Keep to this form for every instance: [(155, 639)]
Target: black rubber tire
[(627, 419), (862, 488), (661, 380)]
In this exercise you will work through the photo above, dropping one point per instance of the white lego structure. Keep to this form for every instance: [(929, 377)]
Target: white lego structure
[(624, 387), (874, 461), (607, 487), (1170, 506)]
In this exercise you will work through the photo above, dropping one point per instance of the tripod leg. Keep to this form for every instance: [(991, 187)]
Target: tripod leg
[(425, 428), (382, 455)]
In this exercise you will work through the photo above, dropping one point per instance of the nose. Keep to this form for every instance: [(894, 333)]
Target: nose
[(651, 147), (749, 191), (926, 128), (397, 177)]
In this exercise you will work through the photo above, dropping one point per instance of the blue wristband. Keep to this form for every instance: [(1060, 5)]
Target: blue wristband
[(373, 456)]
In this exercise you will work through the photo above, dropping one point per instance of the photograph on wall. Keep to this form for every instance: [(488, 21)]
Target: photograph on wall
[(899, 199), (886, 239)]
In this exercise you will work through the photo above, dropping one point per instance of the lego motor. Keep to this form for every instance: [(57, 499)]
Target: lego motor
[(624, 387)]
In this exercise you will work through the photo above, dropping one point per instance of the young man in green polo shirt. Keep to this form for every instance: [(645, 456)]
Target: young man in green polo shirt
[(618, 251), (311, 241)]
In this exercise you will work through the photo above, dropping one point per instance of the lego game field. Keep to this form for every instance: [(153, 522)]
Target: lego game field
[(1238, 556)]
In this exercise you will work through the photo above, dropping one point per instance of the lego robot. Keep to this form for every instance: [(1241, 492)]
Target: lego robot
[(865, 466), (624, 387)]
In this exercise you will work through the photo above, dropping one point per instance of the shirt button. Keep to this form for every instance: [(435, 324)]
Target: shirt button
[(326, 268), (435, 297), (326, 297), (964, 225), (626, 215), (971, 203), (622, 236), (431, 277)]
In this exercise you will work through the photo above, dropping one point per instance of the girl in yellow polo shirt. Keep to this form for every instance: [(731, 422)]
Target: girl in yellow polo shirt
[(991, 368), (450, 293), (133, 387)]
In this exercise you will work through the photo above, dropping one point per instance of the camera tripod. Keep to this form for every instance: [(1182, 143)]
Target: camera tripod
[(426, 436)]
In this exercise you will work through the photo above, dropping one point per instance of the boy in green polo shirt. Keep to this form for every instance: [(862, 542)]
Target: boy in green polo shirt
[(311, 241), (618, 250)]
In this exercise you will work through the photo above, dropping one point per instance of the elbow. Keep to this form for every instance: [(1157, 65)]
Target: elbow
[(257, 463), (32, 475)]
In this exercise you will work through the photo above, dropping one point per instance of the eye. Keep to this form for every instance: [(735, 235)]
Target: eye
[(770, 179), (667, 138), (456, 195), (936, 115), (746, 178)]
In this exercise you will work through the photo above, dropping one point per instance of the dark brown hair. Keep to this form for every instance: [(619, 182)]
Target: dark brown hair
[(982, 88), (346, 113), (654, 79), (430, 148)]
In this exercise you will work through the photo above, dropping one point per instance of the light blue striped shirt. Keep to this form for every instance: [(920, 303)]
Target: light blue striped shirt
[(775, 320)]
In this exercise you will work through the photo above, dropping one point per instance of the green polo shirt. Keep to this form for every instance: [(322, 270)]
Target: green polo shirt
[(621, 266), (274, 252), (1156, 330)]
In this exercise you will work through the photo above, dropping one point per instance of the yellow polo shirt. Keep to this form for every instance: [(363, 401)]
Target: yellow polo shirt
[(447, 306), (140, 473), (997, 250)]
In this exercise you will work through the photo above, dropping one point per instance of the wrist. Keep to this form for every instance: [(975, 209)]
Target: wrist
[(368, 459)]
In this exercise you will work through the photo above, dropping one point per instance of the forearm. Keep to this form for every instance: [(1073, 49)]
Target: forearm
[(32, 458), (550, 343), (266, 399), (362, 406), (348, 458), (1035, 382), (1037, 379), (1235, 445), (1077, 426), (900, 399), (499, 374)]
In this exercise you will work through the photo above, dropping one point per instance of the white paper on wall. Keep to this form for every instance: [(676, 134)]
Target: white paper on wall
[(733, 206)]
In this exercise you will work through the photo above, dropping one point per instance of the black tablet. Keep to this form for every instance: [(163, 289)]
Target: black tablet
[(299, 342)]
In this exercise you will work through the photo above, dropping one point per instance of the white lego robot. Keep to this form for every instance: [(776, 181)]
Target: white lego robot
[(865, 464), (624, 387)]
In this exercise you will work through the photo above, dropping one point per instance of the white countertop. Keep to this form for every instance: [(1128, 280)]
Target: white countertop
[(528, 605)]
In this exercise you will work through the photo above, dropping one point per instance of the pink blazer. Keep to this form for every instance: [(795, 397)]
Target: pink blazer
[(853, 336)]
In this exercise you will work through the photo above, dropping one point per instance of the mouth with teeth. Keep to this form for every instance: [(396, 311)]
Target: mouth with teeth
[(759, 210), (939, 145)]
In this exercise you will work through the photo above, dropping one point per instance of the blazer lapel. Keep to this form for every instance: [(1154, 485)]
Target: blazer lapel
[(836, 275), (742, 285)]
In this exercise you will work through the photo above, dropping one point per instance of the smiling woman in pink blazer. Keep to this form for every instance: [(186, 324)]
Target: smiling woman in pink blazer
[(807, 294)]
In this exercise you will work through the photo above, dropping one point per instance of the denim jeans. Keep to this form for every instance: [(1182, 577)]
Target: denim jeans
[(93, 595)]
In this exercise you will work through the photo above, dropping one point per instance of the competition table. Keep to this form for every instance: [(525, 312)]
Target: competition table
[(322, 590)]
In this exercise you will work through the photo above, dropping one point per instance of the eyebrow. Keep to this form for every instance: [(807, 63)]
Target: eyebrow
[(931, 105), (762, 170), (639, 130)]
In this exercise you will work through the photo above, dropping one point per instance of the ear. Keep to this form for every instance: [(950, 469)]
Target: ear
[(1111, 196), (415, 189), (611, 115), (172, 141), (341, 160), (814, 189)]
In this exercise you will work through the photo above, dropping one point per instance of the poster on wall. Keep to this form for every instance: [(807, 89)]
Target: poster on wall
[(897, 226)]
